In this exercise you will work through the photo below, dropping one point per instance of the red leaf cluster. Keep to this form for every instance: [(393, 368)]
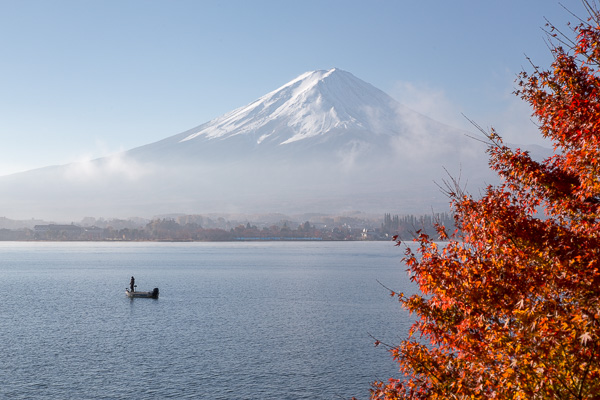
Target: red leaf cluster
[(509, 307)]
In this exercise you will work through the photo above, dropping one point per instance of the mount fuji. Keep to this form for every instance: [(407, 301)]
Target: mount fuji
[(326, 142)]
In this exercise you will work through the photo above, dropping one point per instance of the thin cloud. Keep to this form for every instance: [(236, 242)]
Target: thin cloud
[(429, 101), (117, 165), (509, 115)]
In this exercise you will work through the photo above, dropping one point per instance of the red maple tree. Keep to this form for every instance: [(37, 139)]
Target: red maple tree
[(509, 307)]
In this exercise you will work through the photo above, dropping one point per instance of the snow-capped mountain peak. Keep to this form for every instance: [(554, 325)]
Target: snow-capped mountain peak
[(313, 104), (324, 142)]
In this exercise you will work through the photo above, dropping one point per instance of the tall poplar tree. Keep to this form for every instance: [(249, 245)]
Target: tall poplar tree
[(509, 308)]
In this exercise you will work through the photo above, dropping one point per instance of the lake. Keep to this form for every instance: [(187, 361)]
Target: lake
[(276, 320)]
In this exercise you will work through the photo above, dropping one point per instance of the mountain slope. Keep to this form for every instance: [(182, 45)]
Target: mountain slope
[(311, 105), (328, 111), (324, 142)]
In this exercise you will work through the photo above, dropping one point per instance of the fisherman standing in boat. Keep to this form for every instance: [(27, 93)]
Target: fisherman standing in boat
[(132, 283)]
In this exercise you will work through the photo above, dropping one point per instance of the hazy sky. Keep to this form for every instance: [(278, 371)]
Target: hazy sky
[(83, 79)]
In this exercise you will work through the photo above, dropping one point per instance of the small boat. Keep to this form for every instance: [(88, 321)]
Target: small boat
[(148, 295)]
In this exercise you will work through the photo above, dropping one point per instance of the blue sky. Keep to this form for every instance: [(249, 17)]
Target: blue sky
[(82, 79)]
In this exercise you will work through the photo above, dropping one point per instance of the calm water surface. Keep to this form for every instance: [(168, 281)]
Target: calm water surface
[(233, 321)]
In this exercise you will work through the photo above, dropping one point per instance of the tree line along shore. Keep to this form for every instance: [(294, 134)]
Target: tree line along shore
[(196, 228)]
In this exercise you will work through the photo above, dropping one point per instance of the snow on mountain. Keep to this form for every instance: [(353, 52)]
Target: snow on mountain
[(327, 113), (311, 105), (324, 142)]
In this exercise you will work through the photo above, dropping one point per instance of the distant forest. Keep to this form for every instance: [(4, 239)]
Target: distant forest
[(406, 226), (199, 228)]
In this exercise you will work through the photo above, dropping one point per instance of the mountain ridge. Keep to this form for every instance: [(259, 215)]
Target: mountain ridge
[(309, 94), (317, 108), (324, 142)]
